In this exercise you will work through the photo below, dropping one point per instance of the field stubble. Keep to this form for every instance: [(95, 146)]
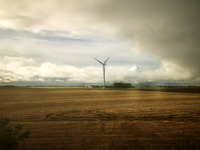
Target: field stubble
[(97, 119)]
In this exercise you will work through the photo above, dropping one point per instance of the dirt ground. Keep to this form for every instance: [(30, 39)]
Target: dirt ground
[(60, 119)]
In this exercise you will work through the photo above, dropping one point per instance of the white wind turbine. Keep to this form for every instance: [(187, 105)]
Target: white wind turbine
[(103, 70)]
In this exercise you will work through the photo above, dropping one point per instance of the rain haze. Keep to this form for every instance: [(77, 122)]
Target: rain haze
[(54, 42)]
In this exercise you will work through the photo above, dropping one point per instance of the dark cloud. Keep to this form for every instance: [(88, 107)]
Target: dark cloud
[(168, 29)]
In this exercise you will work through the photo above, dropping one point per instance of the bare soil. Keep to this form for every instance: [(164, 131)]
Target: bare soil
[(112, 119)]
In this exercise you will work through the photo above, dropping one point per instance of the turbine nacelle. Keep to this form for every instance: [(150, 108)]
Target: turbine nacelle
[(101, 62)]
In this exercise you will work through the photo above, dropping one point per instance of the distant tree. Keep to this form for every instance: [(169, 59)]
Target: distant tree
[(127, 85), (11, 136), (118, 85), (122, 85)]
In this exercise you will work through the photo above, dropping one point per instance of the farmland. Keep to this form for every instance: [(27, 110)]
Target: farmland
[(62, 118)]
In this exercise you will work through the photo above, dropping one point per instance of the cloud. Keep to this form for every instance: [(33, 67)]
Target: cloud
[(134, 68), (75, 16), (67, 74), (19, 69), (168, 30)]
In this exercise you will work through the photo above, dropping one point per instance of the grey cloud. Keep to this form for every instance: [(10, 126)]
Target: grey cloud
[(168, 29)]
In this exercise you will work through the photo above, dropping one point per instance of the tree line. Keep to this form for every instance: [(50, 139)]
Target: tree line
[(122, 85)]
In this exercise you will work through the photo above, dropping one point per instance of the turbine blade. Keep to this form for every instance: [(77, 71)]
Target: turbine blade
[(98, 61), (106, 60)]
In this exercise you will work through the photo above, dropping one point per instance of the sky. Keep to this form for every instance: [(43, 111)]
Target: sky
[(54, 42)]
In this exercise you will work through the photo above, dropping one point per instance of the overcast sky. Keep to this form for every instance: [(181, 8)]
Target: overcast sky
[(54, 42)]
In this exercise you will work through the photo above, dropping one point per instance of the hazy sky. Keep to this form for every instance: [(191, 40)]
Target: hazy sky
[(53, 42)]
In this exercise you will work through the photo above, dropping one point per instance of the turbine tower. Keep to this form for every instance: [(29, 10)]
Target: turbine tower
[(103, 70)]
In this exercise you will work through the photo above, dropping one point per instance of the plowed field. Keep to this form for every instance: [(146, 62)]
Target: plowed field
[(61, 119)]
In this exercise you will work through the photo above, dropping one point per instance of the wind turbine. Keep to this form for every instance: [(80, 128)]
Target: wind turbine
[(103, 70)]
